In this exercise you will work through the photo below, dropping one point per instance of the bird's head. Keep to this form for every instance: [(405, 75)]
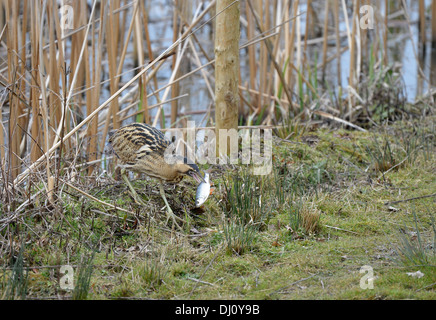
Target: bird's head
[(191, 170)]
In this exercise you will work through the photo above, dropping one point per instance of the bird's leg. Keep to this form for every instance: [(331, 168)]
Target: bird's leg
[(132, 190), (169, 211)]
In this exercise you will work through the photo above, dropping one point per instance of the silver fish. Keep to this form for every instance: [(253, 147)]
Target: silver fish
[(203, 191)]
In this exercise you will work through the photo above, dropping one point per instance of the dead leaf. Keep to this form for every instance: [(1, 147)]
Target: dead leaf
[(276, 244)]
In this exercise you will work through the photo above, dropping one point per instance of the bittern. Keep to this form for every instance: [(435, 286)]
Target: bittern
[(141, 148)]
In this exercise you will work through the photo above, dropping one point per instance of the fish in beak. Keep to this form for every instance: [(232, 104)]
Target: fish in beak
[(203, 191)]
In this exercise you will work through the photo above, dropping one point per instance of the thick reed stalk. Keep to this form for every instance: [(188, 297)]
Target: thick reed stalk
[(54, 94), (352, 74), (385, 34), (263, 13), (324, 46), (91, 134), (111, 32), (306, 32), (433, 23), (422, 29), (252, 61), (338, 43), (36, 139), (290, 49), (15, 133), (44, 107), (150, 58), (175, 87)]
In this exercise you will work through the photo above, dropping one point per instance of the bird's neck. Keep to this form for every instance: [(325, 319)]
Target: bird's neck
[(171, 172)]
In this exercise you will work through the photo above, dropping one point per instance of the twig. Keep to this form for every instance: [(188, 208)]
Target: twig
[(429, 286), (293, 283), (329, 116), (391, 168), (336, 228), (110, 215), (95, 199), (415, 198), (201, 281)]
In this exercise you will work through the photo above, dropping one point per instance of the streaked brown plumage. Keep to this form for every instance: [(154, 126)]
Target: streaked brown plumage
[(141, 148)]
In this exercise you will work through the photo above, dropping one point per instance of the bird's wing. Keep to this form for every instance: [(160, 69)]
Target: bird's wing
[(136, 141)]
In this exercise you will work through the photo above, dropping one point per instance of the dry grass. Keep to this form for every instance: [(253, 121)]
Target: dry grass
[(310, 219)]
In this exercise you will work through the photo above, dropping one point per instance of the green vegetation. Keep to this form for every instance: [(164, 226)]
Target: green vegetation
[(335, 201)]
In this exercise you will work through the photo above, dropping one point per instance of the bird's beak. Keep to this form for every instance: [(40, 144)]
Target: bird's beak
[(197, 176)]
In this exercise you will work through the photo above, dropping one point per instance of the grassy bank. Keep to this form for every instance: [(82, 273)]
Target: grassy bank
[(335, 201)]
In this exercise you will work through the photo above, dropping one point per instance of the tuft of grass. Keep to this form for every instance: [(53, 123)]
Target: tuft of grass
[(245, 199), (84, 274), (383, 90), (152, 273), (279, 187), (123, 291), (239, 237), (304, 218), (419, 141), (414, 249), (290, 128), (381, 154), (16, 286)]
